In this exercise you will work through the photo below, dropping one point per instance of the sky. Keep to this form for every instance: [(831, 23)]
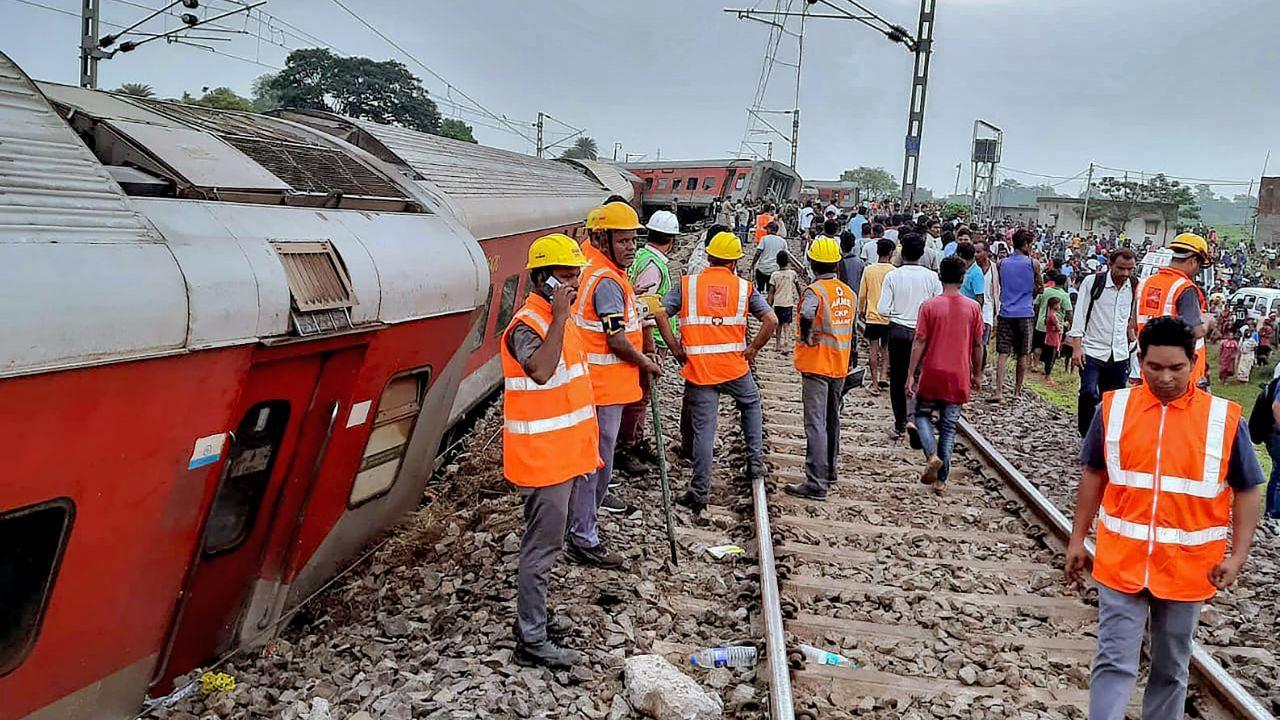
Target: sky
[(1185, 87)]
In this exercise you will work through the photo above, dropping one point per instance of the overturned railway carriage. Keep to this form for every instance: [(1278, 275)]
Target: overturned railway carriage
[(693, 186), (233, 344)]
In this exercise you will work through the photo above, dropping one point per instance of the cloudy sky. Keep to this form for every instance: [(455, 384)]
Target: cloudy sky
[(1187, 87)]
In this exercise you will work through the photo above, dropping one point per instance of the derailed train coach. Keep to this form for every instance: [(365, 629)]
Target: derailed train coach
[(232, 345)]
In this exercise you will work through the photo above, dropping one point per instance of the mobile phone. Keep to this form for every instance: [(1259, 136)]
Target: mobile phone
[(550, 285)]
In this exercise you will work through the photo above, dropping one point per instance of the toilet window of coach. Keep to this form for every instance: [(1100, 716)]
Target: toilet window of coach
[(32, 541)]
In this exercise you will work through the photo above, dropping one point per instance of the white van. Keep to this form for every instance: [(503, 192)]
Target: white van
[(1255, 302), (1160, 257)]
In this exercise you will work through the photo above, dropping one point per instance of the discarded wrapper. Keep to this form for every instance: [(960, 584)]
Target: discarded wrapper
[(719, 552), (216, 682), (822, 657)]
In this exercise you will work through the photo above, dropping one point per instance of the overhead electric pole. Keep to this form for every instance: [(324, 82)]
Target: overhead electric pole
[(538, 125), (90, 53), (915, 115), (1088, 191)]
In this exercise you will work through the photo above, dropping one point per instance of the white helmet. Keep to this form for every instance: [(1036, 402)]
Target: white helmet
[(664, 221)]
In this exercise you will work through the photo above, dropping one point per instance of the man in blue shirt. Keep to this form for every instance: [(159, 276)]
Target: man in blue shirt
[(857, 221), (975, 284)]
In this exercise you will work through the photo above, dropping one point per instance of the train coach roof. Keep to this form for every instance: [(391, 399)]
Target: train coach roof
[(495, 192)]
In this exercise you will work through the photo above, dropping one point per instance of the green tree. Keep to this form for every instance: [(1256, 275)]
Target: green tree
[(956, 209), (457, 130), (220, 98), (584, 148), (873, 182), (141, 90), (382, 91), (263, 96), (1121, 200)]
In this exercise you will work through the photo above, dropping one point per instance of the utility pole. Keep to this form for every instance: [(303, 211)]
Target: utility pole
[(616, 147), (1253, 234), (538, 125), (770, 155), (90, 53), (956, 191), (1088, 191), (795, 135), (915, 115)]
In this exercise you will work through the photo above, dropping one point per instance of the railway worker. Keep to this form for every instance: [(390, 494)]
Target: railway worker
[(1170, 473), (650, 274), (607, 317), (762, 222), (712, 308), (550, 440), (1172, 290), (823, 347)]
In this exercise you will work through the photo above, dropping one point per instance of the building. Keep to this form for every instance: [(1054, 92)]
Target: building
[(841, 193), (1017, 213), (1269, 212), (1149, 221)]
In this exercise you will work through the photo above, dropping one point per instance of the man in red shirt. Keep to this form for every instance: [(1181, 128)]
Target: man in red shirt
[(948, 353)]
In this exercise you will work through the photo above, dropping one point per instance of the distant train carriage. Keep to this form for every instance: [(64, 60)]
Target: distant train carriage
[(694, 186), (234, 344)]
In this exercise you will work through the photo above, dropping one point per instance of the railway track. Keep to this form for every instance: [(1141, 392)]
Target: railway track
[(950, 606)]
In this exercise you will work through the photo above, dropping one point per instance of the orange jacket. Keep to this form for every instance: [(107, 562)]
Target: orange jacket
[(713, 326), (549, 431), (832, 328), (615, 381), (1158, 296), (762, 220), (1166, 510)]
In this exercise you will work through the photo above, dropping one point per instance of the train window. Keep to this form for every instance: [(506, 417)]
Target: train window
[(245, 476), (742, 180), (32, 540), (708, 183), (648, 183), (662, 183), (477, 330), (398, 411), (691, 183), (507, 305)]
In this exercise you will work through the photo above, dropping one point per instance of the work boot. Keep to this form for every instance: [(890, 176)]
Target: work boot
[(558, 627), (628, 463), (598, 556), (691, 501), (802, 490), (545, 653), (616, 505), (756, 469), (644, 452)]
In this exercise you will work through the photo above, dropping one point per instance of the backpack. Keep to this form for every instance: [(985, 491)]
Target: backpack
[(1100, 284), (1261, 420)]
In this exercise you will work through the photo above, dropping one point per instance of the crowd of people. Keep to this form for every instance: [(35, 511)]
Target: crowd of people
[(929, 297)]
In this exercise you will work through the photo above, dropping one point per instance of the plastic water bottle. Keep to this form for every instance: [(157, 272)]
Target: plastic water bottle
[(823, 657), (732, 656)]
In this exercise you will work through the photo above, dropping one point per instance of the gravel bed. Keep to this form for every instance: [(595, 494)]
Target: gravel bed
[(1043, 443)]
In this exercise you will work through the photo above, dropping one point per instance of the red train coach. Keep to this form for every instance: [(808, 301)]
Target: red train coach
[(692, 186), (507, 200), (233, 344)]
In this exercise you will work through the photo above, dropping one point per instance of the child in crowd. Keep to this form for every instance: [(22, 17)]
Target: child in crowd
[(1052, 337), (784, 291), (1228, 353), (1248, 344)]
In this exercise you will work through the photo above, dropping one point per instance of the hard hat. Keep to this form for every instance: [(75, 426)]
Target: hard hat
[(613, 216), (664, 221), (1190, 243), (555, 250), (725, 246), (825, 250)]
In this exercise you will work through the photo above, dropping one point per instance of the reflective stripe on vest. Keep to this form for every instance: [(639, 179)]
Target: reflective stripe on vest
[(832, 330), (563, 375), (546, 425), (1164, 535), (615, 381)]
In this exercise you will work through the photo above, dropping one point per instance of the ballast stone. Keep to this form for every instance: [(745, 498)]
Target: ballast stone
[(656, 688)]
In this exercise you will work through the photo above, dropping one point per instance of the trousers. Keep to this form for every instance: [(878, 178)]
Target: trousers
[(631, 430), (703, 402), (899, 340), (942, 442), (589, 493), (1273, 484), (1122, 618), (823, 397), (546, 510), (1097, 377)]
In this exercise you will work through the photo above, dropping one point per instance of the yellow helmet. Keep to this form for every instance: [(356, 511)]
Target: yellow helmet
[(1190, 242), (555, 250), (825, 250), (725, 246), (613, 216)]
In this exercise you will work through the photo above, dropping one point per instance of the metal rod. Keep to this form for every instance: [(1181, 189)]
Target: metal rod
[(661, 442), (745, 13), (1222, 683), (781, 702)]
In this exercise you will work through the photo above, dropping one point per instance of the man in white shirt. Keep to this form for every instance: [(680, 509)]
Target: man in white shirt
[(806, 218), (831, 211), (1102, 333), (905, 289)]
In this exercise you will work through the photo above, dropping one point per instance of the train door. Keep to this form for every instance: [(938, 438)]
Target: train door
[(285, 419)]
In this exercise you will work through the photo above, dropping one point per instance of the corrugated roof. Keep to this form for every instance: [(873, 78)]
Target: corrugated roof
[(462, 169), (51, 185), (677, 164)]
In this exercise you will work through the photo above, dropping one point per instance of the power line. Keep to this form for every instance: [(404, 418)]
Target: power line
[(1205, 181), (433, 73)]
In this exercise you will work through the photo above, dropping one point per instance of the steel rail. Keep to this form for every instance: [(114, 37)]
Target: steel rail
[(781, 702), (1225, 687)]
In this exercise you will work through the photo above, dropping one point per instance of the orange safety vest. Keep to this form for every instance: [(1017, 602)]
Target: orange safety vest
[(1166, 510), (549, 431), (832, 328), (762, 220), (1158, 296), (713, 326), (616, 381)]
